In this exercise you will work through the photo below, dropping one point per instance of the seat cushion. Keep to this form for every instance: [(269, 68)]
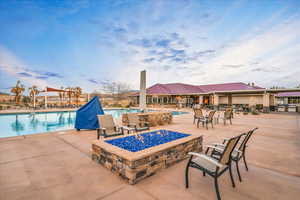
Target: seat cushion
[(204, 163)]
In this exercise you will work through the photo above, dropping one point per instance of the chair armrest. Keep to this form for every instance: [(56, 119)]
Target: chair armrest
[(215, 148), (218, 144), (206, 158)]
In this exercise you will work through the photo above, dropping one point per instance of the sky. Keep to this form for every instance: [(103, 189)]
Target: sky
[(87, 42)]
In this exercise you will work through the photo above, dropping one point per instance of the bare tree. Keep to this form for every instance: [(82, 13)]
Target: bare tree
[(116, 89)]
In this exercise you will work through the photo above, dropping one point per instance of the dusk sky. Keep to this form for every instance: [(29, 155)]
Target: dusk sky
[(84, 42)]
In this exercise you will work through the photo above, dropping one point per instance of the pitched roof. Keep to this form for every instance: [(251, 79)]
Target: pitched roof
[(181, 88), (288, 94), (227, 87), (173, 88)]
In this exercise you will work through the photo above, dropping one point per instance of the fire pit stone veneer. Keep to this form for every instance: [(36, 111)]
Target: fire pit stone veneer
[(135, 166)]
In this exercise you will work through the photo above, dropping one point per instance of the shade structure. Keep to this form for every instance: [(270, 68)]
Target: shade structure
[(86, 116)]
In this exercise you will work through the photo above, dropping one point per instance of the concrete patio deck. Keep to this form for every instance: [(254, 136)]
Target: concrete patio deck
[(59, 166)]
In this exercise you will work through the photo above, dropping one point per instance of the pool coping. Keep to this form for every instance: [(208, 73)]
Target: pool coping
[(132, 156)]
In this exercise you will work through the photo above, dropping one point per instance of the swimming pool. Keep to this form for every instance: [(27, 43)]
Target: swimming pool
[(31, 123)]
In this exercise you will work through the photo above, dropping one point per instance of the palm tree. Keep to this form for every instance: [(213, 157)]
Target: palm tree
[(61, 95), (69, 91), (77, 94), (18, 90), (33, 91)]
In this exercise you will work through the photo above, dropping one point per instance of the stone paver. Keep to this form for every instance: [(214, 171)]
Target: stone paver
[(58, 166)]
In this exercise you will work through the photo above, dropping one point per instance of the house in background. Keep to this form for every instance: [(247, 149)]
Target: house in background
[(214, 95)]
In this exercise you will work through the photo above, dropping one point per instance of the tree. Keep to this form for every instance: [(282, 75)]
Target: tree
[(18, 90), (33, 91), (277, 87), (62, 95), (116, 89), (77, 94)]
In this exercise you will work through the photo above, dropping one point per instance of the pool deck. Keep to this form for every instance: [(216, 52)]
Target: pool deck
[(59, 166)]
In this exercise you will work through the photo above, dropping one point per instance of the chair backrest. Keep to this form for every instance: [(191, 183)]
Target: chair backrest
[(211, 115), (227, 114), (246, 139), (107, 122), (133, 118), (231, 144), (198, 112)]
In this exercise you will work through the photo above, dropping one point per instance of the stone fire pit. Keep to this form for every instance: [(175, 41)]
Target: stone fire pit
[(135, 157)]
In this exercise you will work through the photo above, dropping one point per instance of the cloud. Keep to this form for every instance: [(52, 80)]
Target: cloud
[(13, 66), (232, 66), (24, 74), (93, 81)]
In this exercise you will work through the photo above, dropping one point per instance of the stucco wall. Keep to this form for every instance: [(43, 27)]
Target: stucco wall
[(248, 99)]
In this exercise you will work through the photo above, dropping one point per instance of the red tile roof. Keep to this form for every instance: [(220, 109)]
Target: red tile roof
[(288, 94), (180, 88)]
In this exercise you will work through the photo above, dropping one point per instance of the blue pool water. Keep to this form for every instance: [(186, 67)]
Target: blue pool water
[(31, 123), (146, 140)]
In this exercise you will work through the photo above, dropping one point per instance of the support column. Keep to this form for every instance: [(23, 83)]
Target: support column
[(216, 101), (266, 102), (200, 100), (46, 103), (229, 100), (143, 90), (33, 100)]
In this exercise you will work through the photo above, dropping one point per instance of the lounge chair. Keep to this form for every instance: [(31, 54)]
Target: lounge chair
[(198, 114), (237, 154), (214, 167), (207, 120), (107, 127), (135, 122)]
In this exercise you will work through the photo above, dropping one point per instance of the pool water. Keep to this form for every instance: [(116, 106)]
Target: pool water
[(143, 141), (31, 123)]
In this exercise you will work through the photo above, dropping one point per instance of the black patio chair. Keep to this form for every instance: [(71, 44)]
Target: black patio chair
[(136, 123), (198, 114), (214, 167), (207, 120), (238, 153)]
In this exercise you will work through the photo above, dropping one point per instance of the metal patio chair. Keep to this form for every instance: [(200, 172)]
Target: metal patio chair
[(238, 153), (135, 122), (214, 167), (107, 127), (198, 114), (207, 120), (227, 116)]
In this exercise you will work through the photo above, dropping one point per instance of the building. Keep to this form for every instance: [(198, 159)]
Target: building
[(288, 101), (216, 95)]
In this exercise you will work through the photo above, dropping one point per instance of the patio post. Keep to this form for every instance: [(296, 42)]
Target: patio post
[(266, 102), (216, 101), (46, 106)]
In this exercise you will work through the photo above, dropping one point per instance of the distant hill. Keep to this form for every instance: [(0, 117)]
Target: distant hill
[(3, 93)]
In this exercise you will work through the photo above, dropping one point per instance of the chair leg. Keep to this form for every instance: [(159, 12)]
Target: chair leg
[(231, 177), (187, 174), (198, 123), (212, 125), (244, 158), (217, 188), (230, 122), (238, 170), (206, 125), (194, 120)]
